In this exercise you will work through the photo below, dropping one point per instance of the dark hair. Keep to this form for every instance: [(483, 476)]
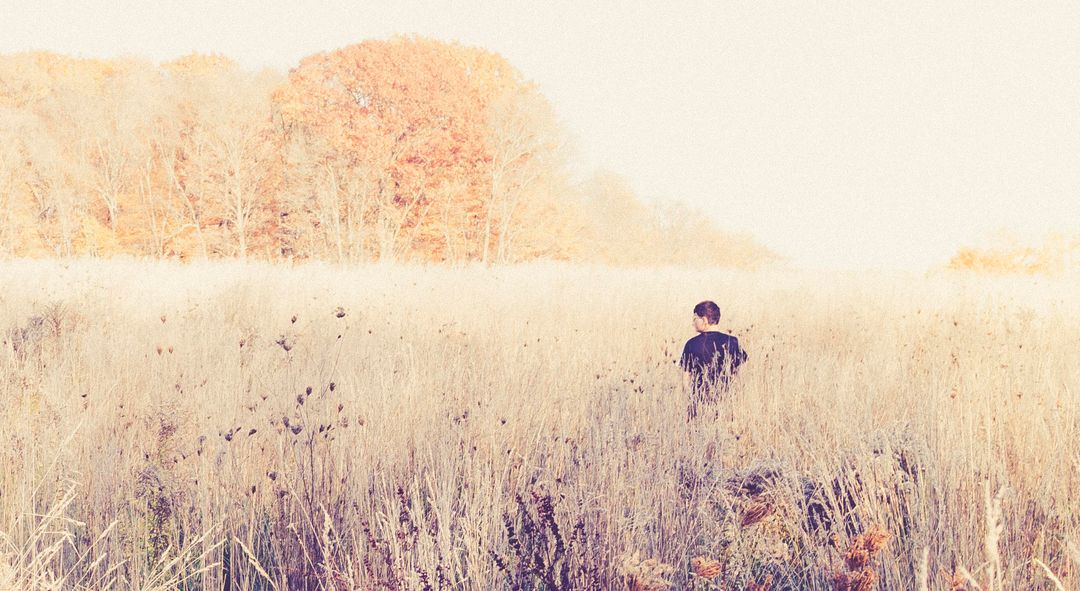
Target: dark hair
[(708, 310)]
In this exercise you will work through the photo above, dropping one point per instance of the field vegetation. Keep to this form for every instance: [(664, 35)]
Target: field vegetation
[(227, 425)]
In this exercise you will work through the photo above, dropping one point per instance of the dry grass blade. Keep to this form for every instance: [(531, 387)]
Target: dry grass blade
[(966, 576), (87, 553), (1074, 552), (1049, 574), (994, 528), (254, 562), (7, 574), (163, 575), (922, 572), (56, 458)]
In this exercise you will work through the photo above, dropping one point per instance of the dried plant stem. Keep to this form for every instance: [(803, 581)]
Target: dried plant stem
[(994, 527), (1049, 574), (922, 572)]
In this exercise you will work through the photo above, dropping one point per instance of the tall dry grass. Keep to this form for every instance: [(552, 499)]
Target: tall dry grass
[(257, 427)]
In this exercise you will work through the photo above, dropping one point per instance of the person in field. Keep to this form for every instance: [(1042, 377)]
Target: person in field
[(710, 360)]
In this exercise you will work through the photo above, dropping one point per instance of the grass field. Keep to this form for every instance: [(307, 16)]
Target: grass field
[(222, 425)]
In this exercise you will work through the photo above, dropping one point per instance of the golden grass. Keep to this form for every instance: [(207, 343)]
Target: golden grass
[(397, 428)]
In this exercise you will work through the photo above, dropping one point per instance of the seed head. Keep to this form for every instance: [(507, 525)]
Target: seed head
[(864, 548), (706, 568), (756, 513)]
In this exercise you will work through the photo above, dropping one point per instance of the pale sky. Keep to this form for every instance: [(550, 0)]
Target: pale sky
[(840, 134)]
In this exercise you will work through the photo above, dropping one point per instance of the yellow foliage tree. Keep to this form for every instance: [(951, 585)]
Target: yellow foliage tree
[(1055, 254)]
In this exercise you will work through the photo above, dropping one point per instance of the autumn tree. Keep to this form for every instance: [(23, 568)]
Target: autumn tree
[(183, 160), (234, 130), (375, 113), (34, 90), (526, 151), (622, 230), (103, 107), (1004, 253), (216, 152), (10, 163), (16, 128), (403, 146), (689, 236), (57, 206)]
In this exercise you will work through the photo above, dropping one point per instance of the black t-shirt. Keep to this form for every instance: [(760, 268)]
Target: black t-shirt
[(712, 358)]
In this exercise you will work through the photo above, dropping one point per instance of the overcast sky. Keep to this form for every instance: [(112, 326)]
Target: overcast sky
[(840, 134)]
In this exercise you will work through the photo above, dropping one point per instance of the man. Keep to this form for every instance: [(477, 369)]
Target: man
[(710, 359)]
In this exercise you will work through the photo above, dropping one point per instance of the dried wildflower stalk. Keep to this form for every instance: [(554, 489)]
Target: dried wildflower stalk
[(644, 575), (858, 575)]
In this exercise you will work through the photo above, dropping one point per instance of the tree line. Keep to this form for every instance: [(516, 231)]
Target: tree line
[(1055, 253), (407, 149)]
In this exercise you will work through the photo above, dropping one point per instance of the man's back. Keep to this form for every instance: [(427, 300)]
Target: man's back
[(712, 358)]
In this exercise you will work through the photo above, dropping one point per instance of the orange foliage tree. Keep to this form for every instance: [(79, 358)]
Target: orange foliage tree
[(381, 119), (415, 145)]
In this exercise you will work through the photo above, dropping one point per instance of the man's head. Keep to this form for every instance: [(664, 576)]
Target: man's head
[(706, 314)]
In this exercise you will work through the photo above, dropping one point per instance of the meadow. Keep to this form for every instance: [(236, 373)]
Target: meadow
[(228, 425)]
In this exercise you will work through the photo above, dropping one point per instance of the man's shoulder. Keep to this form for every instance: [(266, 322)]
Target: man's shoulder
[(726, 340), (698, 338)]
